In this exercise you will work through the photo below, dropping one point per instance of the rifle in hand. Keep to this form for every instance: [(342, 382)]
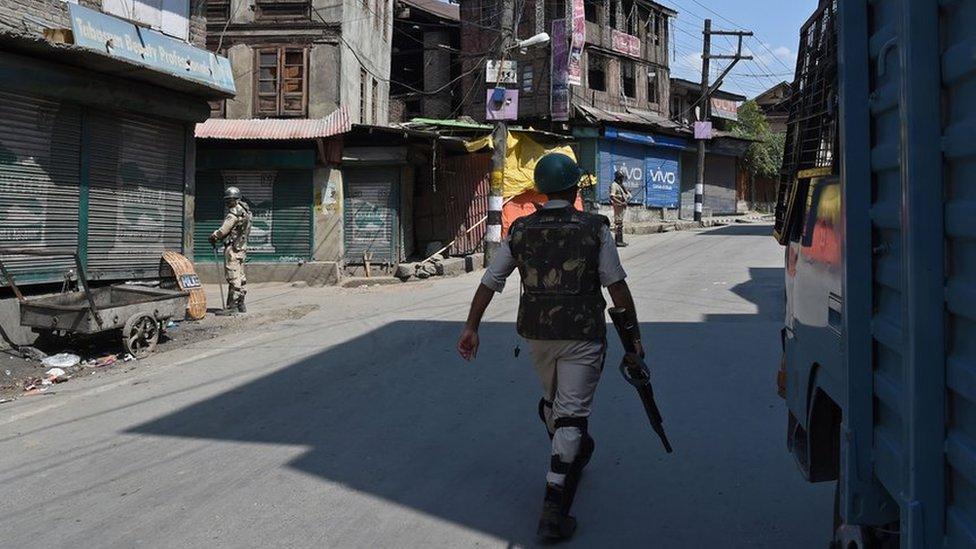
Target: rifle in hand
[(636, 373)]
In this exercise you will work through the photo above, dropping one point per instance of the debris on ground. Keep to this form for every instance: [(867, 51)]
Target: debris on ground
[(102, 361), (56, 375), (62, 360), (128, 358), (30, 353)]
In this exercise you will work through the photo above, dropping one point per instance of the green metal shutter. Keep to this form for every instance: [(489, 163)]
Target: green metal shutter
[(280, 200), (291, 235), (136, 197), (370, 213), (40, 143), (208, 213)]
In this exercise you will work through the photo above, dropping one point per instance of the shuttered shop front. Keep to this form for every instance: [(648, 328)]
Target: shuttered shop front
[(39, 183), (371, 214), (280, 202), (136, 194)]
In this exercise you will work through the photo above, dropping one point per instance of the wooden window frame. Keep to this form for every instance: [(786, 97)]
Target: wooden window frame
[(212, 16), (281, 110), (260, 15), (624, 65)]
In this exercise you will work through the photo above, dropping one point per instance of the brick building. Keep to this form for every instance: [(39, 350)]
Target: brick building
[(425, 67), (624, 64)]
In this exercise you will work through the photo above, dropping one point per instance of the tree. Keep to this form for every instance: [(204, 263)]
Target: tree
[(764, 157)]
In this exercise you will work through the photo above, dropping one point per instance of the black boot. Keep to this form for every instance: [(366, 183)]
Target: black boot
[(620, 237), (240, 305), (555, 524)]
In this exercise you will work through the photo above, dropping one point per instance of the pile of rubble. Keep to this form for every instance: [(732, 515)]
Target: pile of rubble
[(439, 265)]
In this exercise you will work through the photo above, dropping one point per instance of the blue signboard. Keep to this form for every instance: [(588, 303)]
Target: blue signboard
[(114, 37), (652, 174), (663, 177), (628, 158)]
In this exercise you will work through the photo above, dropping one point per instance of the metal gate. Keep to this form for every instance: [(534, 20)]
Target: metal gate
[(464, 185), (371, 214), (136, 194), (40, 144), (280, 201)]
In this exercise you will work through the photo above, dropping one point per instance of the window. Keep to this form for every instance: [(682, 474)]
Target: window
[(556, 9), (281, 86), (218, 11), (652, 86), (363, 77), (657, 22), (528, 75), (592, 9), (375, 101), (596, 72), (628, 78), (614, 9), (217, 108), (282, 10)]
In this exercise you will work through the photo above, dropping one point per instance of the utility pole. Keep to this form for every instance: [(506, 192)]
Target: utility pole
[(706, 97), (493, 234)]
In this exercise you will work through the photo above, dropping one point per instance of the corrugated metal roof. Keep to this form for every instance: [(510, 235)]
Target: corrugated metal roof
[(273, 128), (436, 7), (632, 116)]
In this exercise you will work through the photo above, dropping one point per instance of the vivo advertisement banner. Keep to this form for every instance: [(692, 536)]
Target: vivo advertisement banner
[(652, 174)]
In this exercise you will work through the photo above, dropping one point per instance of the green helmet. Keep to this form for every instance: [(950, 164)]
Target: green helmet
[(556, 172)]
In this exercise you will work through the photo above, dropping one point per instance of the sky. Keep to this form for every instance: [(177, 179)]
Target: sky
[(776, 24)]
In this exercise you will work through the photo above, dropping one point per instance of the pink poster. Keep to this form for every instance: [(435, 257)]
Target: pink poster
[(559, 92), (576, 48), (626, 43)]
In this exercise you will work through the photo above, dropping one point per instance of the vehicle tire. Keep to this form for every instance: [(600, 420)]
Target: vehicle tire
[(140, 335)]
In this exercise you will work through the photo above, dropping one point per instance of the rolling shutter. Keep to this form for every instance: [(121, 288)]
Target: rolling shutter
[(136, 197), (280, 201), (370, 214), (39, 173)]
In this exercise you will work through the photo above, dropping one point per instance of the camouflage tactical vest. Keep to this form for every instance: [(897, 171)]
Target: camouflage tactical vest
[(557, 252), (237, 239)]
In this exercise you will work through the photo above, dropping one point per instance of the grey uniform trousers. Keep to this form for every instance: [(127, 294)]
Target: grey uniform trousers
[(569, 371)]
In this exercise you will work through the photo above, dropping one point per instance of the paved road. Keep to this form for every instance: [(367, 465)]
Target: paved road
[(357, 426)]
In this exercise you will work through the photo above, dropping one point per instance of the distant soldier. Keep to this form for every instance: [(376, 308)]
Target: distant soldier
[(564, 257), (234, 232), (619, 197)]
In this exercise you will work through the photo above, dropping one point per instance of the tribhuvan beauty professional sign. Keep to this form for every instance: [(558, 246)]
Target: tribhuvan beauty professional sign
[(114, 37)]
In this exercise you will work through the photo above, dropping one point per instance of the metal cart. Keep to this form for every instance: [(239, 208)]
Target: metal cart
[(137, 312)]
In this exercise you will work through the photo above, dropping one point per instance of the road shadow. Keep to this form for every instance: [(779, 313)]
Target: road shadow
[(740, 229), (394, 414)]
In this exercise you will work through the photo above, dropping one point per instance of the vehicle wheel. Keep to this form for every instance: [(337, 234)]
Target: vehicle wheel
[(140, 335)]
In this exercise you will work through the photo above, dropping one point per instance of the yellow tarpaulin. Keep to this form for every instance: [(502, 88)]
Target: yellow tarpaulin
[(521, 156)]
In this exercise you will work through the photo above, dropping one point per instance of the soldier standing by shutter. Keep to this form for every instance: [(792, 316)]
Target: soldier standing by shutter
[(619, 197), (234, 232), (564, 256)]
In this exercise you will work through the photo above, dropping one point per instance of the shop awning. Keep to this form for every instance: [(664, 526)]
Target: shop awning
[(275, 129)]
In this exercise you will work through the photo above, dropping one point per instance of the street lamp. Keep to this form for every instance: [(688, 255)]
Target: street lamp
[(522, 45)]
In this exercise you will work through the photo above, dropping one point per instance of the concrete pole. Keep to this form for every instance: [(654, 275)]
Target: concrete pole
[(493, 234), (705, 113)]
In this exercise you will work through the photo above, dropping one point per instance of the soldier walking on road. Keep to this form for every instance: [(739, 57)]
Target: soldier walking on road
[(564, 256), (619, 197), (234, 232)]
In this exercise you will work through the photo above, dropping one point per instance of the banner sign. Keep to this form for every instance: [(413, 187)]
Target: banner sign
[(501, 73), (576, 47), (651, 174), (113, 37), (559, 78), (725, 108), (626, 43), (506, 109), (703, 130)]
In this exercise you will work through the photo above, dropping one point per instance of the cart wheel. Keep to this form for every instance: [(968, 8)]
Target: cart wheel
[(140, 335)]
